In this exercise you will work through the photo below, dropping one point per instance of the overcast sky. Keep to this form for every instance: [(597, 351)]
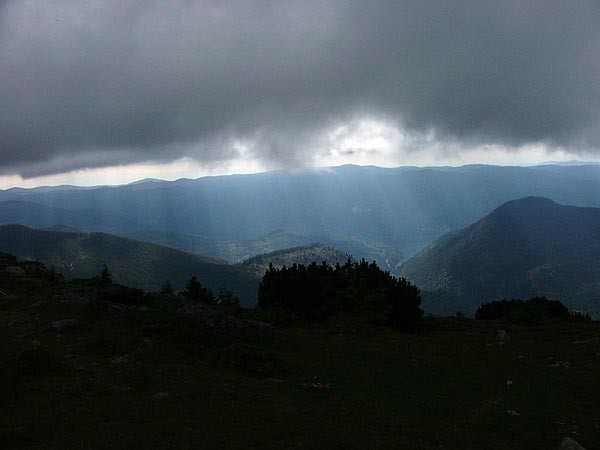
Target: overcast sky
[(111, 91)]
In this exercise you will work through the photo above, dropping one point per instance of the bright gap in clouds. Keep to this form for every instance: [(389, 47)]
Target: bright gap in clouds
[(361, 142)]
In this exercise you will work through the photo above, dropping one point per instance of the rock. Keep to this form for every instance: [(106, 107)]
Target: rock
[(6, 259), (569, 444), (122, 389), (120, 359), (509, 382), (560, 364), (59, 325), (33, 267), (219, 320), (70, 297), (592, 341), (146, 344), (15, 272), (501, 335), (5, 296)]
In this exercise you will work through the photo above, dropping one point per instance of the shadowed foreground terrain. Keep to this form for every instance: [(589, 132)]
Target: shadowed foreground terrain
[(79, 372)]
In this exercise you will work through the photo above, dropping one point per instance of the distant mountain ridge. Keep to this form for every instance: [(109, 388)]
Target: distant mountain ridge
[(387, 255), (531, 246), (403, 208), (36, 215)]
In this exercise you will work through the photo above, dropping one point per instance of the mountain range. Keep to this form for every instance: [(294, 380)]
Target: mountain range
[(400, 210), (507, 247)]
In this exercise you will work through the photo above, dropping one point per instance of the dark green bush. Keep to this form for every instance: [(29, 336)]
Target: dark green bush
[(319, 291), (528, 311), (118, 293), (196, 292)]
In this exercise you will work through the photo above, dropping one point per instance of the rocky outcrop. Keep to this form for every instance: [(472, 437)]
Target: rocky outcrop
[(591, 341), (15, 271), (6, 260), (24, 269), (72, 298), (569, 444), (33, 268), (218, 320), (60, 325)]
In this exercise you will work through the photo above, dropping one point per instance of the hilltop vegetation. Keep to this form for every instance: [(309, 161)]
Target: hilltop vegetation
[(526, 247), (305, 255), (133, 263), (81, 372)]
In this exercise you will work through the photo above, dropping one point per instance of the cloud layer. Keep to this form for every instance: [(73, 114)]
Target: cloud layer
[(99, 83)]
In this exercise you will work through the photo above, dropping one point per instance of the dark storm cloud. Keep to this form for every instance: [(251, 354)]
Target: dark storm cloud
[(96, 83)]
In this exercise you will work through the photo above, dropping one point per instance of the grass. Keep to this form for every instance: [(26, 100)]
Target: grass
[(152, 379)]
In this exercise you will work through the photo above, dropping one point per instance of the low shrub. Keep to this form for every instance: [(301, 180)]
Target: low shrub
[(528, 311)]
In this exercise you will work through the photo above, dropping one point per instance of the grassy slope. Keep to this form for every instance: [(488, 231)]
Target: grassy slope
[(133, 263), (318, 387)]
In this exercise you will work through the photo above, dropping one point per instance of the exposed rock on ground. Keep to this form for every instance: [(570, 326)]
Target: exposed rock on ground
[(595, 340), (219, 320), (59, 325), (569, 444), (72, 298)]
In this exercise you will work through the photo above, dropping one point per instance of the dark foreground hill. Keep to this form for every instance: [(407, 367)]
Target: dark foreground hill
[(526, 247), (77, 372), (133, 263)]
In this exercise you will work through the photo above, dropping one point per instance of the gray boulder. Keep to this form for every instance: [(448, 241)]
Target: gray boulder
[(60, 325), (591, 341), (218, 320), (569, 444), (15, 271), (71, 298)]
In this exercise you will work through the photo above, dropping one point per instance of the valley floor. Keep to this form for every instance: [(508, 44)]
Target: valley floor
[(150, 378)]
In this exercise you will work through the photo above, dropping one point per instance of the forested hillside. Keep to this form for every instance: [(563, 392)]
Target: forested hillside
[(526, 247), (132, 263)]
